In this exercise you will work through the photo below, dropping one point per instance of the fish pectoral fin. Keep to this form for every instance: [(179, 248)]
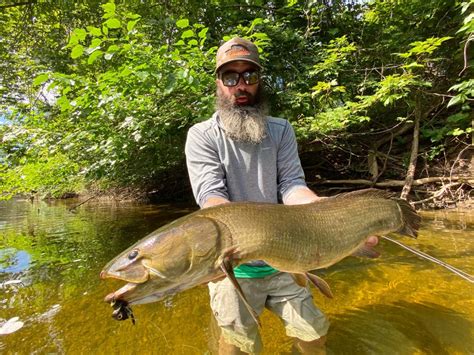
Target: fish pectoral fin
[(320, 284), (226, 267), (366, 251), (300, 279)]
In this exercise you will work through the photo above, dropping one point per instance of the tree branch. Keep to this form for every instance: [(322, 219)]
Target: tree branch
[(397, 183), (414, 150)]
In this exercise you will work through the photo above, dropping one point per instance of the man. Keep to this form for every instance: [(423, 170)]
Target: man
[(241, 154)]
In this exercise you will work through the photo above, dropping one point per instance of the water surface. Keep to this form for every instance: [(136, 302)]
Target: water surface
[(50, 259)]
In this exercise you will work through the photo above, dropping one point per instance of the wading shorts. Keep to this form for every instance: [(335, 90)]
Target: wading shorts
[(280, 294)]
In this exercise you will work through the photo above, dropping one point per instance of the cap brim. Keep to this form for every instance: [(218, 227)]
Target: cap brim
[(238, 60)]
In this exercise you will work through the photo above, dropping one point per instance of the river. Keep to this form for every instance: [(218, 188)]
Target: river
[(50, 259)]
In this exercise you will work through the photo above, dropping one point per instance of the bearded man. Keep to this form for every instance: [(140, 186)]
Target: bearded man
[(242, 154)]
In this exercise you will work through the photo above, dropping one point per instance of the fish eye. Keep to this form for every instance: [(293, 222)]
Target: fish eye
[(133, 254)]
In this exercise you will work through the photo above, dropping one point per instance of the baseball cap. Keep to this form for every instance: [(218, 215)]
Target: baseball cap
[(237, 49)]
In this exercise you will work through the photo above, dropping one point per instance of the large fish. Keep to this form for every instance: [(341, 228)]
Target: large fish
[(207, 244)]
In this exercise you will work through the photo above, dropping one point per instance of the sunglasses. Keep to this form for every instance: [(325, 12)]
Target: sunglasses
[(232, 78)]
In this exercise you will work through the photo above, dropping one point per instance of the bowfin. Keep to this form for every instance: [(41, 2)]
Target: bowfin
[(366, 251), (227, 268), (320, 284)]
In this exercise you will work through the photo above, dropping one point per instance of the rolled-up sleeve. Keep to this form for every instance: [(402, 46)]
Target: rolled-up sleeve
[(205, 170), (290, 172)]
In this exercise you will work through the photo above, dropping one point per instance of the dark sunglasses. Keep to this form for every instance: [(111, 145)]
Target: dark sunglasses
[(231, 78)]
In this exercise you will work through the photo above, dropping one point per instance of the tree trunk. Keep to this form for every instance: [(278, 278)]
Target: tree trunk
[(414, 150)]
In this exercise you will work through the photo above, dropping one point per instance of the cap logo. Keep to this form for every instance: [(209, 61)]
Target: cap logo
[(237, 51)]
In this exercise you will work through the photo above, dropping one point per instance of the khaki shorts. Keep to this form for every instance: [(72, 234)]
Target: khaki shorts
[(280, 294)]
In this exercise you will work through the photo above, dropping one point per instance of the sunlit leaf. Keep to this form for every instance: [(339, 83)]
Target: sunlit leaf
[(94, 31), (113, 23), (183, 23), (80, 33), (93, 56), (77, 51), (131, 25), (40, 79), (187, 34), (203, 33)]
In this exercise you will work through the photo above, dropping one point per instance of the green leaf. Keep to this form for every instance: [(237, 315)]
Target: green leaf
[(40, 79), (108, 56), (170, 84), (457, 132), (458, 117), (96, 42), (113, 48), (183, 23), (125, 72), (112, 23), (109, 9), (203, 33), (94, 31), (77, 51), (457, 100), (80, 33), (94, 55), (131, 24), (187, 34)]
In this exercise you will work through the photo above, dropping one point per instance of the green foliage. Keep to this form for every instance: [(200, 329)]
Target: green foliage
[(106, 91), (51, 176)]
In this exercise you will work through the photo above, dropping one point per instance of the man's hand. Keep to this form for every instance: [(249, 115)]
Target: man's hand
[(372, 241)]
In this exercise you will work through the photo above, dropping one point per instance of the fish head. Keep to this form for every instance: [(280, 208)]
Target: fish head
[(174, 258)]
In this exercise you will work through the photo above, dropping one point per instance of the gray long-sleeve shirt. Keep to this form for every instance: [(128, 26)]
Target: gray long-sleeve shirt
[(238, 171)]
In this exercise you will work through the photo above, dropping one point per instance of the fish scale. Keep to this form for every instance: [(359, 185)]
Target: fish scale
[(273, 239)]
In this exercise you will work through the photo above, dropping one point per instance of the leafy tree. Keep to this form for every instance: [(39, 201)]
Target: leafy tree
[(104, 92)]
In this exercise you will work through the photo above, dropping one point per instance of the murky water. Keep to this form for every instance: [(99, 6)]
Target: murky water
[(50, 259)]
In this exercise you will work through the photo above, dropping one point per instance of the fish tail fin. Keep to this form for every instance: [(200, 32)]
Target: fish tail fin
[(411, 220)]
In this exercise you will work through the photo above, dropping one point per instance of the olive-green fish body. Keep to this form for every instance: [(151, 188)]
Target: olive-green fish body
[(191, 250), (312, 236)]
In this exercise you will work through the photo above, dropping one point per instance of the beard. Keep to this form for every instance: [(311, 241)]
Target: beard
[(243, 123)]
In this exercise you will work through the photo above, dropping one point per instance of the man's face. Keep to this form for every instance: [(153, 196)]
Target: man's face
[(240, 94)]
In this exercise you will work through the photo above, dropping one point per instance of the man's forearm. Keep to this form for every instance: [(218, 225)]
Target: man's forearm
[(301, 195), (214, 201)]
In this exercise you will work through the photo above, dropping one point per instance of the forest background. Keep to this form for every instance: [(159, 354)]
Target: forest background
[(97, 97)]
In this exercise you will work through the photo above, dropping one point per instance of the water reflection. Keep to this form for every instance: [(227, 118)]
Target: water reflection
[(13, 260), (403, 328), (50, 259)]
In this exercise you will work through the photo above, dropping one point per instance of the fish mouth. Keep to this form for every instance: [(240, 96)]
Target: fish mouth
[(121, 293), (137, 274)]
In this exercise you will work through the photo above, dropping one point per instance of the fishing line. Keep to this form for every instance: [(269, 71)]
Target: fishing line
[(451, 268)]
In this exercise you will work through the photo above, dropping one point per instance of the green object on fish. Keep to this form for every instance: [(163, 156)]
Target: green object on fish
[(206, 245)]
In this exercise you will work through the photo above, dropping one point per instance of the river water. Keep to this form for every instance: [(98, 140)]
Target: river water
[(50, 259)]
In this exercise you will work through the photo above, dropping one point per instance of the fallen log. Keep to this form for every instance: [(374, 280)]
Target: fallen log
[(397, 183)]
